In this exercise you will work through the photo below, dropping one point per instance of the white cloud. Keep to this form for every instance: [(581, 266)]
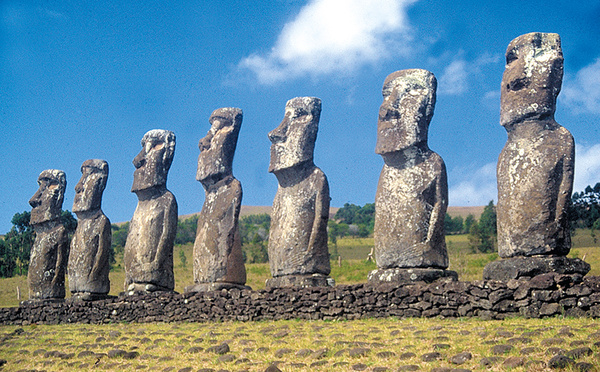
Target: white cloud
[(587, 166), (477, 187), (456, 76), (582, 93), (331, 36), (491, 100)]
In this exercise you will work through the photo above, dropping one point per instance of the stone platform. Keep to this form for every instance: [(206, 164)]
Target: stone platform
[(541, 296), (517, 267), (399, 276), (207, 287), (302, 281)]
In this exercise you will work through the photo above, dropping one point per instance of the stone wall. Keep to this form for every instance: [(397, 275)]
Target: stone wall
[(541, 296)]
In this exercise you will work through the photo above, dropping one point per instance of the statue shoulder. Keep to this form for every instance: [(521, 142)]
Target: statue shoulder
[(566, 136), (236, 186), (436, 161), (318, 177)]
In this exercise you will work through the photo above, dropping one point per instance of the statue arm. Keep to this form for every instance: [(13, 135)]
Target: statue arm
[(566, 184), (322, 199), (229, 225), (61, 255), (104, 242), (167, 237), (440, 204)]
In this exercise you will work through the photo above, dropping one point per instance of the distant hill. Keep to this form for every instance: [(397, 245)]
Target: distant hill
[(465, 211), (259, 209)]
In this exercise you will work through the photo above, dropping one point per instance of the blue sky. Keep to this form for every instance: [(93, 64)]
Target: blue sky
[(86, 79)]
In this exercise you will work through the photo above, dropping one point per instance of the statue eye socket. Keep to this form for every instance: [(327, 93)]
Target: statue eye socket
[(158, 146), (299, 113), (511, 56)]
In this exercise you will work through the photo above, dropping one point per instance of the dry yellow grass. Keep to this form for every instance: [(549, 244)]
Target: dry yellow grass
[(370, 345)]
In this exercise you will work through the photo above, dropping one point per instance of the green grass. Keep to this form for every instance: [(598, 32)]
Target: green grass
[(353, 248), (354, 267), (389, 342), (351, 271)]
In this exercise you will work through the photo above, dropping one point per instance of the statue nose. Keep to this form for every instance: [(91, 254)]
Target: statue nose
[(204, 144), (79, 187), (279, 134), (139, 160), (36, 199)]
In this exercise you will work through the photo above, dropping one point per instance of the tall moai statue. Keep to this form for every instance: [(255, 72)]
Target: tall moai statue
[(535, 167), (218, 260), (90, 247), (298, 253), (412, 194), (148, 256), (48, 260)]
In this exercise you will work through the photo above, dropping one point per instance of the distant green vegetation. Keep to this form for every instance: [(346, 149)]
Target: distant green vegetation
[(254, 231), (354, 265), (585, 208)]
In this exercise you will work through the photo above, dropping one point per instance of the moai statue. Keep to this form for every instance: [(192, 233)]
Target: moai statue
[(148, 256), (298, 253), (47, 264), (218, 260), (535, 167), (412, 195), (89, 256)]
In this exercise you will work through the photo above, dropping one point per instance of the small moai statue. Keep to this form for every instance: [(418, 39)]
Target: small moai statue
[(218, 260), (90, 247), (535, 167), (298, 253), (412, 194), (148, 256), (48, 260)]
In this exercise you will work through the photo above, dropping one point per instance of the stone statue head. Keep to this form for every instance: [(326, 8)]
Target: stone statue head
[(218, 146), (153, 162), (293, 141), (407, 109), (47, 201), (89, 189), (532, 78)]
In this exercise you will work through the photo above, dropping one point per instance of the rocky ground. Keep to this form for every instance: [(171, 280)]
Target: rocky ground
[(361, 345)]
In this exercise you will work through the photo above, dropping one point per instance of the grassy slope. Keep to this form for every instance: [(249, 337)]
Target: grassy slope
[(354, 268)]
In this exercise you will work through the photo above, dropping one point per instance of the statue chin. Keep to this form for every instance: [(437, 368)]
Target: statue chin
[(146, 184)]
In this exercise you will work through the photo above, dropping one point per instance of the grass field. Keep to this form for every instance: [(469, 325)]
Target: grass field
[(354, 267), (361, 345)]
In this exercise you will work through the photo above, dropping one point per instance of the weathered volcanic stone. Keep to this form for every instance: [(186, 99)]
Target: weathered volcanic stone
[(298, 237), (89, 256), (412, 195), (410, 275), (218, 260), (516, 267), (535, 167), (47, 263), (148, 256)]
